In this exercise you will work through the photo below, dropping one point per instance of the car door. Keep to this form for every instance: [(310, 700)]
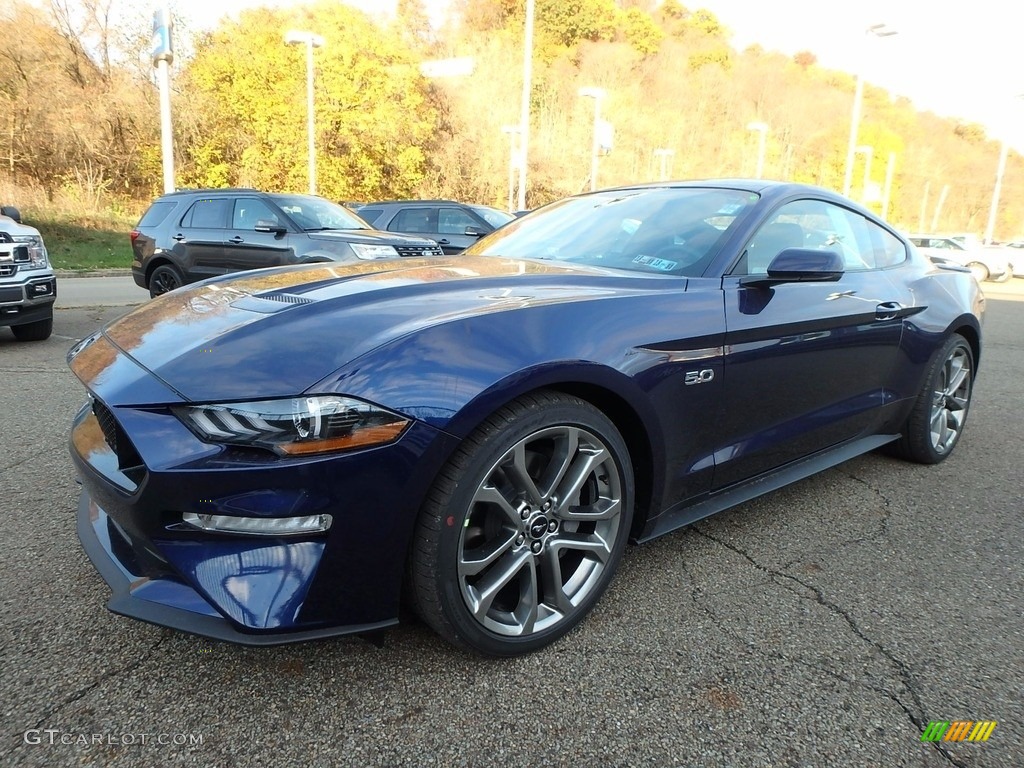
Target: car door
[(452, 224), (415, 220), (807, 363), (198, 241), (248, 249)]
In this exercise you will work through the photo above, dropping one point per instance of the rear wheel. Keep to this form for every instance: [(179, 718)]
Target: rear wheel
[(165, 278), (937, 420), (979, 270), (524, 528), (39, 330)]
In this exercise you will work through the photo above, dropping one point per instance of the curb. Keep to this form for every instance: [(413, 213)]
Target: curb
[(64, 273)]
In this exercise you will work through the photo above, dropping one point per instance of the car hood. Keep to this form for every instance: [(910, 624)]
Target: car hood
[(277, 332), (368, 236), (11, 227)]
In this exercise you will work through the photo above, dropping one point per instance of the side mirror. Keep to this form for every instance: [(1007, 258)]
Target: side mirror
[(265, 225), (475, 232), (11, 213), (799, 265)]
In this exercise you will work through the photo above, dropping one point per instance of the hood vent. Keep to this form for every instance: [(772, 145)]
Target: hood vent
[(269, 303), (287, 298)]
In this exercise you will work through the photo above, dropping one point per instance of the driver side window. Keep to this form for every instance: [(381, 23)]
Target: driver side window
[(819, 225)]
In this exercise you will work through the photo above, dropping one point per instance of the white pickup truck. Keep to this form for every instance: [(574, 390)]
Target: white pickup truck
[(28, 286)]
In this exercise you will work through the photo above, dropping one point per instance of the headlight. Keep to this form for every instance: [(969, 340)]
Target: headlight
[(296, 426), (36, 251), (370, 252)]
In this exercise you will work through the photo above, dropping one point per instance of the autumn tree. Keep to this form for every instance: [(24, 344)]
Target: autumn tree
[(375, 118)]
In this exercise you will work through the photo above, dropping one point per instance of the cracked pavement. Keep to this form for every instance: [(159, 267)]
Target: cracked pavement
[(824, 624)]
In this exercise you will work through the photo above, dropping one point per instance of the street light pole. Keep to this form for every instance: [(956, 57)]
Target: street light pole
[(878, 30), (512, 131), (311, 41), (889, 168), (867, 151), (994, 208), (597, 94), (762, 129), (524, 105), (664, 154)]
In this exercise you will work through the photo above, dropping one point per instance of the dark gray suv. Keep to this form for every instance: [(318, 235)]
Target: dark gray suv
[(192, 235), (455, 226)]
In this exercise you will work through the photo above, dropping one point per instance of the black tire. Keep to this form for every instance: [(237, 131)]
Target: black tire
[(39, 330), (547, 559), (164, 279), (937, 420)]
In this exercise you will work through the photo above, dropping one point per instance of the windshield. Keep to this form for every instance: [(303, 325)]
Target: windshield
[(492, 216), (673, 231), (315, 213)]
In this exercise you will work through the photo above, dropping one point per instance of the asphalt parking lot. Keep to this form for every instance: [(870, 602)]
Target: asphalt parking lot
[(823, 625)]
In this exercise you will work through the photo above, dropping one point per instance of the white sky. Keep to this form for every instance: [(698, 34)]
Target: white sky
[(952, 57)]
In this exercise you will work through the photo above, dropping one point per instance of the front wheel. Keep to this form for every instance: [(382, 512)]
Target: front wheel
[(1006, 275), (524, 527), (937, 419), (39, 330)]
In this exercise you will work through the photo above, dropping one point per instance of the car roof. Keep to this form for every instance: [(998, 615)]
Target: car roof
[(414, 202)]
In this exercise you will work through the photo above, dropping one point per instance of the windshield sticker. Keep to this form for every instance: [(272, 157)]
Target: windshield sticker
[(732, 208), (663, 265)]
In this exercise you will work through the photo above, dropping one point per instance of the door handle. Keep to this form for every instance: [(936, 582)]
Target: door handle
[(178, 238), (887, 310), (236, 240)]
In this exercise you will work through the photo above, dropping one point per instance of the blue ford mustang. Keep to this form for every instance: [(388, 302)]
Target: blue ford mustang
[(289, 453)]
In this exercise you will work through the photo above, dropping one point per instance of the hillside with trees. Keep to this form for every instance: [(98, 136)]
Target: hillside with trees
[(80, 105)]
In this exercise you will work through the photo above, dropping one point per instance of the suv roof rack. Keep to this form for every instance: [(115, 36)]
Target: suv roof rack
[(210, 191), (412, 202)]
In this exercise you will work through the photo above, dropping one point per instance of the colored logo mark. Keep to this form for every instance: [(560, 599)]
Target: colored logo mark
[(958, 730)]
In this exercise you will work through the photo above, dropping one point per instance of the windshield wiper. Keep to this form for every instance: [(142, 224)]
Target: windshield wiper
[(331, 229)]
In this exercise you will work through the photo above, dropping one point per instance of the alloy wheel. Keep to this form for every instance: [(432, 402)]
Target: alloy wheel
[(540, 531), (950, 400)]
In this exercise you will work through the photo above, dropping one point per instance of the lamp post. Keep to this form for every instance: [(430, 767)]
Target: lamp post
[(878, 30), (867, 151), (597, 94), (994, 207), (887, 189), (524, 105), (664, 154), (762, 129), (311, 41), (512, 131)]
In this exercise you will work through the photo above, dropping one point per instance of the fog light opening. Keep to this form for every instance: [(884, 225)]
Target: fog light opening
[(259, 526)]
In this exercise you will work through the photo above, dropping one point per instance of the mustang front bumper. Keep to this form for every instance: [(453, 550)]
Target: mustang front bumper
[(170, 602)]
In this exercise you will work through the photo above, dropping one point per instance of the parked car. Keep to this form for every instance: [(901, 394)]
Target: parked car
[(285, 455), (985, 263), (28, 287), (455, 226), (193, 235)]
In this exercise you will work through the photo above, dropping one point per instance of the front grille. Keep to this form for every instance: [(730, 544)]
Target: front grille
[(127, 456), (6, 270), (6, 238), (419, 250), (107, 423), (11, 294)]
